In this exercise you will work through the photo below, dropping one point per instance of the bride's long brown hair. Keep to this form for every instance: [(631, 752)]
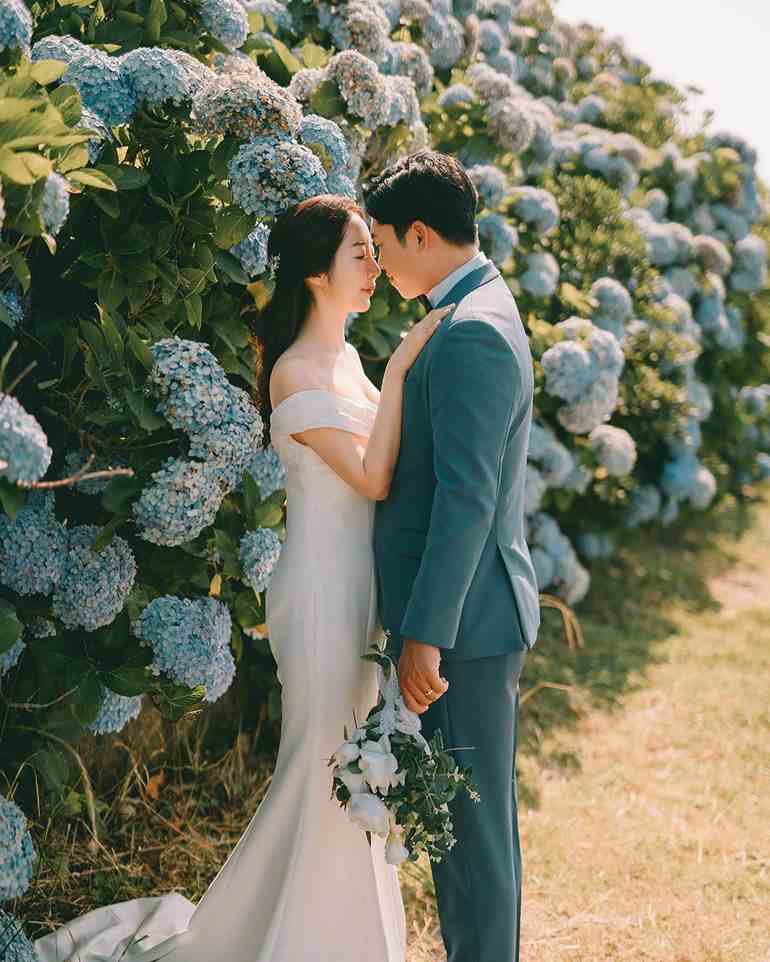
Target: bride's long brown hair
[(306, 238)]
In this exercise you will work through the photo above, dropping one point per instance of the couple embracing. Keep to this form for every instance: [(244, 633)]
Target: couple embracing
[(405, 511)]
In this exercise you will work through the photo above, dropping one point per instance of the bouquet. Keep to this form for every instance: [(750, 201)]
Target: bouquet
[(393, 782)]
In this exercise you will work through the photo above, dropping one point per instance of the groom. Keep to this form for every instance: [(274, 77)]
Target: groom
[(455, 579)]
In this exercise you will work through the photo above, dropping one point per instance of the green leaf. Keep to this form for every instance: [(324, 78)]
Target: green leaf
[(46, 71), (107, 533), (129, 680), (16, 168), (95, 340), (193, 305), (231, 267), (119, 494), (86, 700), (286, 56), (326, 100), (111, 333), (10, 626), (231, 225), (140, 407), (139, 349), (53, 767), (124, 176), (20, 268), (112, 288), (92, 178), (314, 56)]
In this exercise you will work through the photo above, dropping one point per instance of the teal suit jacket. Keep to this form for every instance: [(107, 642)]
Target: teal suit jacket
[(453, 566)]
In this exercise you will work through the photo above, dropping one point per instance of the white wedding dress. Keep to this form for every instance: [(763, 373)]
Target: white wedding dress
[(302, 884)]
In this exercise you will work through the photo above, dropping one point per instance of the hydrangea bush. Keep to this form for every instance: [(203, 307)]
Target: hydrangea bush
[(136, 202)]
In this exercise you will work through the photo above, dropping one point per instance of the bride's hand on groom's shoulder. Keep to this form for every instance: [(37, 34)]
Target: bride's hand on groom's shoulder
[(415, 339)]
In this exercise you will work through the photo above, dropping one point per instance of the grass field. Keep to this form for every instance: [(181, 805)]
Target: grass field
[(643, 775)]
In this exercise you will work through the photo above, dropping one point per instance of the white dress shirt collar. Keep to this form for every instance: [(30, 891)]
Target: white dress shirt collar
[(436, 294)]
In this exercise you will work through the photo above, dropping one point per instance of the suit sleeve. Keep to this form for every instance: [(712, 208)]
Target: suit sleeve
[(472, 385)]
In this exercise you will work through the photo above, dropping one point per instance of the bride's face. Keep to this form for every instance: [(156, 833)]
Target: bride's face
[(354, 270)]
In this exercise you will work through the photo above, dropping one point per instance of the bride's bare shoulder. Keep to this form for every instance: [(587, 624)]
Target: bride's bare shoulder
[(291, 373)]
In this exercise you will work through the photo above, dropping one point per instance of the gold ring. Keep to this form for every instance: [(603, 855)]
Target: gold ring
[(429, 692)]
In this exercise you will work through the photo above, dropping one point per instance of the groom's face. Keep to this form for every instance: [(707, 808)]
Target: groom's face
[(400, 260)]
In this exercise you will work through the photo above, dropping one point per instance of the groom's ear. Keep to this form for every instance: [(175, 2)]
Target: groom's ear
[(421, 234)]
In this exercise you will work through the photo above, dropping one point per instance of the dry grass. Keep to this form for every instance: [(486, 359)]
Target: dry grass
[(643, 778)]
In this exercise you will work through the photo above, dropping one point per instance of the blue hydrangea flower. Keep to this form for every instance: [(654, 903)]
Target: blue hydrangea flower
[(266, 469), (182, 499), (15, 25), (497, 237), (104, 85), (537, 207), (259, 553), (534, 490), (686, 478), (491, 38), (228, 446), (24, 451), (656, 202), (444, 38), (115, 712), (279, 13), (246, 105), (511, 124), (402, 106), (762, 464), (408, 60), (191, 386), (14, 305), (10, 658), (305, 82), (568, 370), (570, 577), (226, 20), (750, 271), (591, 109), (506, 62), (490, 183), (578, 479), (198, 74), (456, 95), (592, 408), (644, 506), (596, 545), (555, 462), (55, 203), (712, 254), (736, 225), (490, 84), (252, 251), (755, 399), (92, 121), (541, 276), (615, 306), (680, 281), (33, 548), (190, 641), (76, 460), (157, 76), (17, 853), (338, 183), (324, 138), (94, 585), (54, 47), (362, 26), (267, 175), (361, 86), (614, 448)]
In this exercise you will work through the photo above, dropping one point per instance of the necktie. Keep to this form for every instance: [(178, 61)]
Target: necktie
[(425, 301)]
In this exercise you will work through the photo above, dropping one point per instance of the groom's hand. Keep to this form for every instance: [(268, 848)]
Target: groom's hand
[(418, 672)]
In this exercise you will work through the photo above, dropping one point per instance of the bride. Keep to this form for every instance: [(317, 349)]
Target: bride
[(302, 884)]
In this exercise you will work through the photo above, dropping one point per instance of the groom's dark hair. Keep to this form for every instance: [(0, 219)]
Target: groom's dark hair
[(428, 186)]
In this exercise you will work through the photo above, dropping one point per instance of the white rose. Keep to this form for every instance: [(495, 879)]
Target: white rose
[(369, 813), (395, 851), (408, 722), (347, 752), (378, 764), (353, 781)]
